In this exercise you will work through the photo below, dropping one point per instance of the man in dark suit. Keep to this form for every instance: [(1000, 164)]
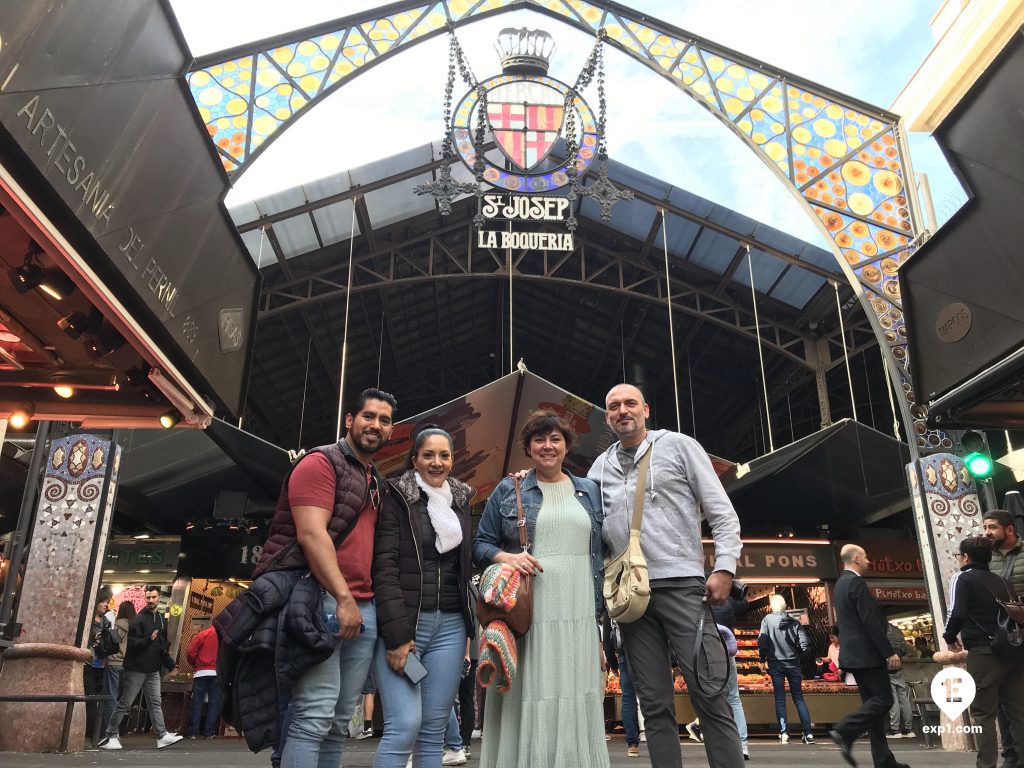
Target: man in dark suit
[(865, 651)]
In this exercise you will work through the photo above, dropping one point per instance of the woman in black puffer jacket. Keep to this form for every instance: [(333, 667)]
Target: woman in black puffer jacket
[(421, 570)]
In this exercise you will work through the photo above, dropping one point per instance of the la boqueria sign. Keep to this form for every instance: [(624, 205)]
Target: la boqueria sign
[(97, 126), (780, 560), (524, 208)]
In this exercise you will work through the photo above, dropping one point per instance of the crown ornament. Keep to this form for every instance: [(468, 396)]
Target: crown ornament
[(524, 51)]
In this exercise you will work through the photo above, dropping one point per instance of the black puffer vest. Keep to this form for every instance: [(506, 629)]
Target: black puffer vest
[(281, 550), (399, 568)]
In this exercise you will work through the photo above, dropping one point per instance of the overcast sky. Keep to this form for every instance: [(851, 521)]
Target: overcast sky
[(867, 50)]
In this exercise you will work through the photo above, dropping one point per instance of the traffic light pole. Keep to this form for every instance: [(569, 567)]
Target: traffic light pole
[(988, 494)]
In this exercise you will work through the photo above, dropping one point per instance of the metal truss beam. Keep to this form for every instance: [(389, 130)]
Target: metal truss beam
[(592, 264)]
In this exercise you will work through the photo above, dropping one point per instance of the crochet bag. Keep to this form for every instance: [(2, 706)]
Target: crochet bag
[(627, 587), (519, 617)]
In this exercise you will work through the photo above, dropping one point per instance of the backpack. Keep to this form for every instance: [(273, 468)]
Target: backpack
[(106, 641)]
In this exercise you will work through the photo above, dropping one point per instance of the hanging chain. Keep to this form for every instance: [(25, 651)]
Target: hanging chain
[(447, 149), (602, 136)]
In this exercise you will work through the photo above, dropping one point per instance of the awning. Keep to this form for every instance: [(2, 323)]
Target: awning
[(169, 476), (846, 475), (962, 289), (485, 425), (113, 182)]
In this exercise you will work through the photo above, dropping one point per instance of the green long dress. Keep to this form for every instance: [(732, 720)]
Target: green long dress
[(554, 715)]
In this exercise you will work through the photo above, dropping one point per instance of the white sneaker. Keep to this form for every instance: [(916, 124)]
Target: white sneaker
[(784, 738), (453, 757), (477, 734), (110, 743), (643, 736), (167, 739), (909, 735)]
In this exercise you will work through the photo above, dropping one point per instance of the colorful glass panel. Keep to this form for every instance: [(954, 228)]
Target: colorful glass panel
[(845, 162)]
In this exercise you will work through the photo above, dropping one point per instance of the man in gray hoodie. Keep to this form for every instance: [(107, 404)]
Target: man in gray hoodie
[(680, 483)]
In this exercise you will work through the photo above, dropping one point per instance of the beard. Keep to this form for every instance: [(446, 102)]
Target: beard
[(368, 441)]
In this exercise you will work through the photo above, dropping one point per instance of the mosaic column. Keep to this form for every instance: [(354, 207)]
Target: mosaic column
[(946, 511), (61, 581)]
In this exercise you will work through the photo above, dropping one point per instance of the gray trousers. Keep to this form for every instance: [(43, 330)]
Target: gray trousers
[(131, 683), (900, 703), (668, 629), (999, 682)]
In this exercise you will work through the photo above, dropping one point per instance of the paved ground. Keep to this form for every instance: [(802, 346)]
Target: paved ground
[(231, 753)]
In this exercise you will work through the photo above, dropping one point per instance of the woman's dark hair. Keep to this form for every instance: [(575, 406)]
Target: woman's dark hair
[(544, 423), (126, 610), (977, 548), (425, 431)]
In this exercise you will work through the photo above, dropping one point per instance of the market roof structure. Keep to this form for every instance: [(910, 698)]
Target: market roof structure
[(428, 317)]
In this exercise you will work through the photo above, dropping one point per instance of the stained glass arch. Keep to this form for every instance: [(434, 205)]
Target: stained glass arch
[(845, 161)]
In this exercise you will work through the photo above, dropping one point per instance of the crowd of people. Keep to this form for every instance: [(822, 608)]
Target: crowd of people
[(392, 610)]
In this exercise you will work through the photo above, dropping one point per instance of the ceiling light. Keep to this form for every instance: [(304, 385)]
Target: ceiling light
[(77, 323), (25, 277), (63, 390), (55, 283), (106, 342), (137, 376), (21, 416), (141, 536), (170, 419)]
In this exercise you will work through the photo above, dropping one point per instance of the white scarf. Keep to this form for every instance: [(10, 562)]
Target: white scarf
[(447, 528)]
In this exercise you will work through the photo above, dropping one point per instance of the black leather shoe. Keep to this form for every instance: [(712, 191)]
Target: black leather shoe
[(895, 765), (844, 747)]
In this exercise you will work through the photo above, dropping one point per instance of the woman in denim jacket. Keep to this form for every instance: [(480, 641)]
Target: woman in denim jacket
[(553, 715)]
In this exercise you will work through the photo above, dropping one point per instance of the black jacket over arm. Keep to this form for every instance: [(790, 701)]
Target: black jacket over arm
[(862, 625)]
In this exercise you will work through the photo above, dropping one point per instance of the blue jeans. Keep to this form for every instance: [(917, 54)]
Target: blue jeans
[(630, 719), (453, 740), (780, 671), (416, 716), (324, 697), (111, 687), (205, 688), (284, 722), (734, 701)]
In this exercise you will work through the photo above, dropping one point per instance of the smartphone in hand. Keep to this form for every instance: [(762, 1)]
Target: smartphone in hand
[(414, 669)]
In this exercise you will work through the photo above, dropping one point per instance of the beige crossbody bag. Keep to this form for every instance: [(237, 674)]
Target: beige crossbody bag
[(627, 587)]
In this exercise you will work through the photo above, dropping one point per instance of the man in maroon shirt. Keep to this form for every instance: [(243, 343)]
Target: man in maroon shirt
[(329, 507)]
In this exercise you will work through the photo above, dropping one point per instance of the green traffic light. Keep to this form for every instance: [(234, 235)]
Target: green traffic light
[(978, 464)]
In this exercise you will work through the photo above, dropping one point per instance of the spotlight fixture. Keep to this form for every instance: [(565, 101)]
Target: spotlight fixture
[(77, 323), (30, 275), (21, 416), (253, 526), (170, 419), (208, 525), (56, 284), (190, 525), (26, 277), (137, 375), (62, 390), (105, 342)]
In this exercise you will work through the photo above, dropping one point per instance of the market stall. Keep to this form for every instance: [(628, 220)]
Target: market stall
[(800, 570)]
